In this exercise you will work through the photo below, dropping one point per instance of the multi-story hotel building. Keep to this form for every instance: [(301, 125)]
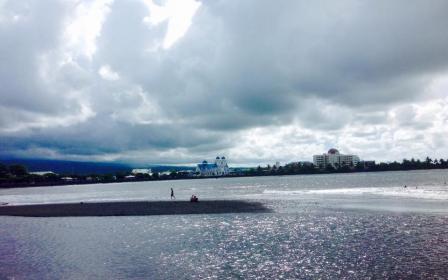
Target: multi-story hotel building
[(335, 159)]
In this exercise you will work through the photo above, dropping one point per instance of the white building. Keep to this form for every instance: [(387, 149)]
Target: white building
[(67, 179), (219, 168), (165, 173), (335, 159), (141, 171), (43, 173)]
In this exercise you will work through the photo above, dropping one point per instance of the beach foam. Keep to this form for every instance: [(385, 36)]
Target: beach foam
[(422, 192)]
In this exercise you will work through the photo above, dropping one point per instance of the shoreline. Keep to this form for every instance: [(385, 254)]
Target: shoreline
[(133, 208), (84, 182)]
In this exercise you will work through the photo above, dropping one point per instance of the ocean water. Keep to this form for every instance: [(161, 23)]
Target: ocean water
[(343, 226)]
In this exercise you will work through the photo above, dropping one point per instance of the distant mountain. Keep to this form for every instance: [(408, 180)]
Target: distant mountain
[(84, 168), (69, 167), (163, 168)]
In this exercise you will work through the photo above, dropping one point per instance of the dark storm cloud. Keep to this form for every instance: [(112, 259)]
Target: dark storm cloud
[(322, 65), (90, 139), (236, 63), (352, 53)]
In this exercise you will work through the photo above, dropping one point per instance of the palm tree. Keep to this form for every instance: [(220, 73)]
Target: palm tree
[(428, 161)]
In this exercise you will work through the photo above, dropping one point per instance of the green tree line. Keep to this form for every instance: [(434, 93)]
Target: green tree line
[(309, 168)]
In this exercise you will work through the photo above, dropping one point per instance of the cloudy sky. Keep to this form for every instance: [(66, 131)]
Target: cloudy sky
[(144, 81)]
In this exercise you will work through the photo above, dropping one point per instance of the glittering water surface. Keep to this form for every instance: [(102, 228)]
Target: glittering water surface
[(351, 226)]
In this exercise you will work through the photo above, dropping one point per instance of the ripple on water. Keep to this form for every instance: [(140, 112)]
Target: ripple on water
[(353, 247), (350, 245)]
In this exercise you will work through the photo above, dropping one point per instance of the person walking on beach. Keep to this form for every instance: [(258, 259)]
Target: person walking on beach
[(172, 194)]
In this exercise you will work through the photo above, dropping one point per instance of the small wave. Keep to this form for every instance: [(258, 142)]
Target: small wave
[(437, 193)]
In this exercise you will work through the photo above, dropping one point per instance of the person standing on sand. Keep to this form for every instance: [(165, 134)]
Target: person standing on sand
[(172, 194)]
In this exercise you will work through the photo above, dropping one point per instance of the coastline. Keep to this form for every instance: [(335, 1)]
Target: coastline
[(10, 185), (133, 208)]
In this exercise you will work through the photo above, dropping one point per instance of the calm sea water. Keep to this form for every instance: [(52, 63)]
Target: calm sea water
[(351, 226)]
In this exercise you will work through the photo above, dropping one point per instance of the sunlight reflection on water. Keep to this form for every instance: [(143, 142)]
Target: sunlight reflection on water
[(322, 244)]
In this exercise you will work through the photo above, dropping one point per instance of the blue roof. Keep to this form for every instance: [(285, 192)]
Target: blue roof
[(205, 166)]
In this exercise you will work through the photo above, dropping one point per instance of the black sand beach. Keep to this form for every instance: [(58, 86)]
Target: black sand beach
[(132, 208)]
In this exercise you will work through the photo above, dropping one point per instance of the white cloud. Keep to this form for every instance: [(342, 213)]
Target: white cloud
[(108, 74), (19, 121), (84, 26), (178, 14)]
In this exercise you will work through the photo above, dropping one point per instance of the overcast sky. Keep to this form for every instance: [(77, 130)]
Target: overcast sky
[(257, 81)]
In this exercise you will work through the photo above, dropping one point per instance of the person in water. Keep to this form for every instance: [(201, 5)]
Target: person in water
[(172, 194)]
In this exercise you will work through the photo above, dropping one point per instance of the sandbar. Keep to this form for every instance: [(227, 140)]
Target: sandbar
[(133, 208)]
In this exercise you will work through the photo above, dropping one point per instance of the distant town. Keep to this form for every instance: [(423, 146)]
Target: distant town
[(17, 175)]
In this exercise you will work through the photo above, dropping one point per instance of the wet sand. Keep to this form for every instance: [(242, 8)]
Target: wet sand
[(132, 208)]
